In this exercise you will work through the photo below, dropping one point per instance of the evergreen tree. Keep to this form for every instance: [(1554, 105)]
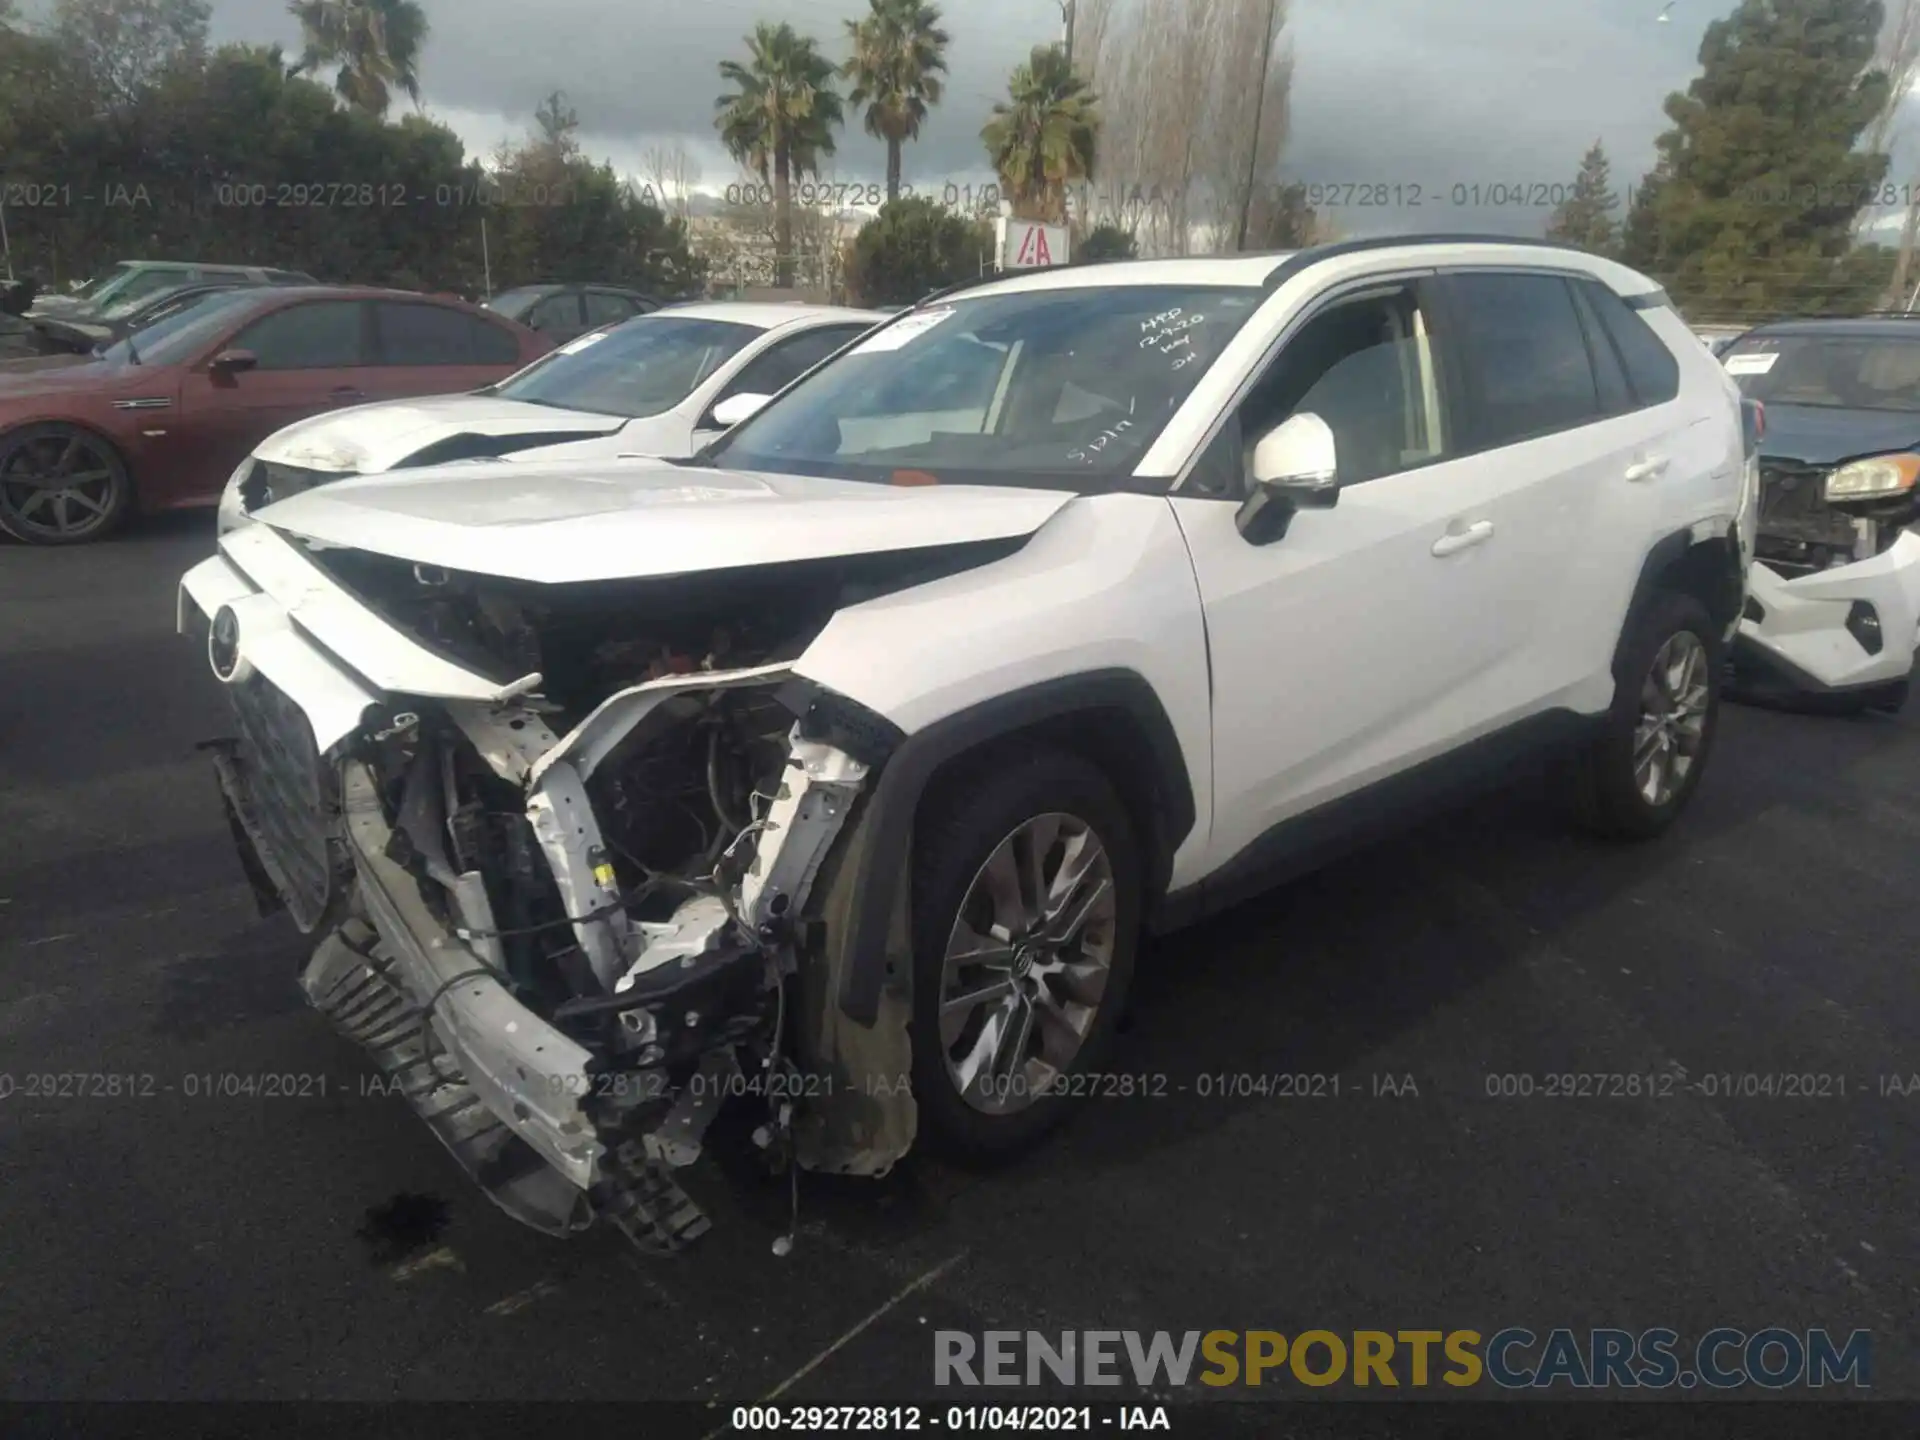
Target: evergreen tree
[(1585, 218), (1751, 207)]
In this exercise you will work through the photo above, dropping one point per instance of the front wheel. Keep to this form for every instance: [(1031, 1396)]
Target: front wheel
[(1635, 776), (1026, 909), (60, 485)]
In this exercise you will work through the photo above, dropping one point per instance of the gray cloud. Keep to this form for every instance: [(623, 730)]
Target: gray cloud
[(1502, 95)]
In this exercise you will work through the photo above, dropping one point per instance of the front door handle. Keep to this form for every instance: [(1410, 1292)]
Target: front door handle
[(345, 393), (1652, 467), (1464, 537)]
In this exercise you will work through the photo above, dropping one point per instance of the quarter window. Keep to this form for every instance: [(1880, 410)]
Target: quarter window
[(1651, 368), (1525, 356)]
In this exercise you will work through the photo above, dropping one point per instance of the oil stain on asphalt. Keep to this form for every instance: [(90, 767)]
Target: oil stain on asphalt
[(403, 1226)]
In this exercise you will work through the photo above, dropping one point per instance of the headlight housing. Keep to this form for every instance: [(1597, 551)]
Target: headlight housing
[(1877, 479), (233, 506)]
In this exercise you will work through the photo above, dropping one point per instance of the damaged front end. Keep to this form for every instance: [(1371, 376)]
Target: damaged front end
[(572, 856), (1833, 605)]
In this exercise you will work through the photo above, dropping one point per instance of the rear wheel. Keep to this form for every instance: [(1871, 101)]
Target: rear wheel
[(1633, 778), (60, 485), (1027, 911)]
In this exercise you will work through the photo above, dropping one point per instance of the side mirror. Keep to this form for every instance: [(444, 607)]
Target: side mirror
[(1295, 467), (233, 362), (735, 408)]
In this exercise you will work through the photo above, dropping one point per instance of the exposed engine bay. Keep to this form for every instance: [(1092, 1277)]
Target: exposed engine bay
[(625, 852)]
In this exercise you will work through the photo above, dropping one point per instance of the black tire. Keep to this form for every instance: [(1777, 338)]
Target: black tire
[(35, 511), (961, 827), (1598, 780)]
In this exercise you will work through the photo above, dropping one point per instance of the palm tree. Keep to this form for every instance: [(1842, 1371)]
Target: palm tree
[(899, 55), (375, 45), (779, 120), (1042, 136)]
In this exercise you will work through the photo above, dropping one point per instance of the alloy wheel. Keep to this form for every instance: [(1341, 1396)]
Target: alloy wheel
[(1027, 963), (1673, 718), (57, 487)]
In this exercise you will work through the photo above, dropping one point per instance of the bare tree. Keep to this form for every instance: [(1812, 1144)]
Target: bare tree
[(1237, 165), (1179, 83), (671, 172)]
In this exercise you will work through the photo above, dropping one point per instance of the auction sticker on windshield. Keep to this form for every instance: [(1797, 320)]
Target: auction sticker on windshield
[(1751, 364), (574, 347), (901, 331)]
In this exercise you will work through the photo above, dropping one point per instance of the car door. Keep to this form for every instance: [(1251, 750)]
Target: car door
[(308, 357), (773, 369), (1381, 632), (1585, 469), (425, 349)]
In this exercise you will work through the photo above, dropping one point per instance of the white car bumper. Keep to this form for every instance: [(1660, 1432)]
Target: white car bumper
[(1847, 628)]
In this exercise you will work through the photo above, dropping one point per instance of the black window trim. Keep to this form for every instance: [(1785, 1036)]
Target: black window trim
[(365, 360), (1477, 444), (1421, 278)]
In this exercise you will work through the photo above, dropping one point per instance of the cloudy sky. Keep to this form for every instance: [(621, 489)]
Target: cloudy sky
[(1427, 93)]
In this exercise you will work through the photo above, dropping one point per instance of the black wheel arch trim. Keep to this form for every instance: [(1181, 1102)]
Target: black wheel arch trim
[(907, 763), (1670, 549)]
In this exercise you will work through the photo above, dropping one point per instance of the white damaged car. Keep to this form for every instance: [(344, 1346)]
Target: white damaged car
[(663, 383), (838, 771), (1833, 615)]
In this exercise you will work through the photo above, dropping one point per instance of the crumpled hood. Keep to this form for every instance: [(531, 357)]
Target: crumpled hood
[(1815, 435), (370, 439), (555, 521)]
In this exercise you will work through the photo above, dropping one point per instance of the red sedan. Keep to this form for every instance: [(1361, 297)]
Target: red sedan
[(161, 419)]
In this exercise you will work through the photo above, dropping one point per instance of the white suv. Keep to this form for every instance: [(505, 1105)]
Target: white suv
[(845, 764)]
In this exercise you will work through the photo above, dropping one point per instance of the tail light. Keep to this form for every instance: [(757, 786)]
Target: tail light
[(1753, 424)]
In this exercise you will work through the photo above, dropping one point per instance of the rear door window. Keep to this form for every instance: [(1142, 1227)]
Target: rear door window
[(1526, 360)]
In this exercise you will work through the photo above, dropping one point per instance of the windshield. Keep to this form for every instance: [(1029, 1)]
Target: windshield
[(643, 367), (95, 287), (1055, 387), (182, 333), (1834, 372)]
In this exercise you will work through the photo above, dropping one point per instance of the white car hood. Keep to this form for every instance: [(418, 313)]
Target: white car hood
[(553, 521), (370, 439)]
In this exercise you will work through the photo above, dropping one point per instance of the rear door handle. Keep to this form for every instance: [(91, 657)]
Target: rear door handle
[(347, 392), (1463, 538), (1648, 469)]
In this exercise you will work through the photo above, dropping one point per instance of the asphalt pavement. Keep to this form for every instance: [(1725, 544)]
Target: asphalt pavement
[(179, 1241)]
